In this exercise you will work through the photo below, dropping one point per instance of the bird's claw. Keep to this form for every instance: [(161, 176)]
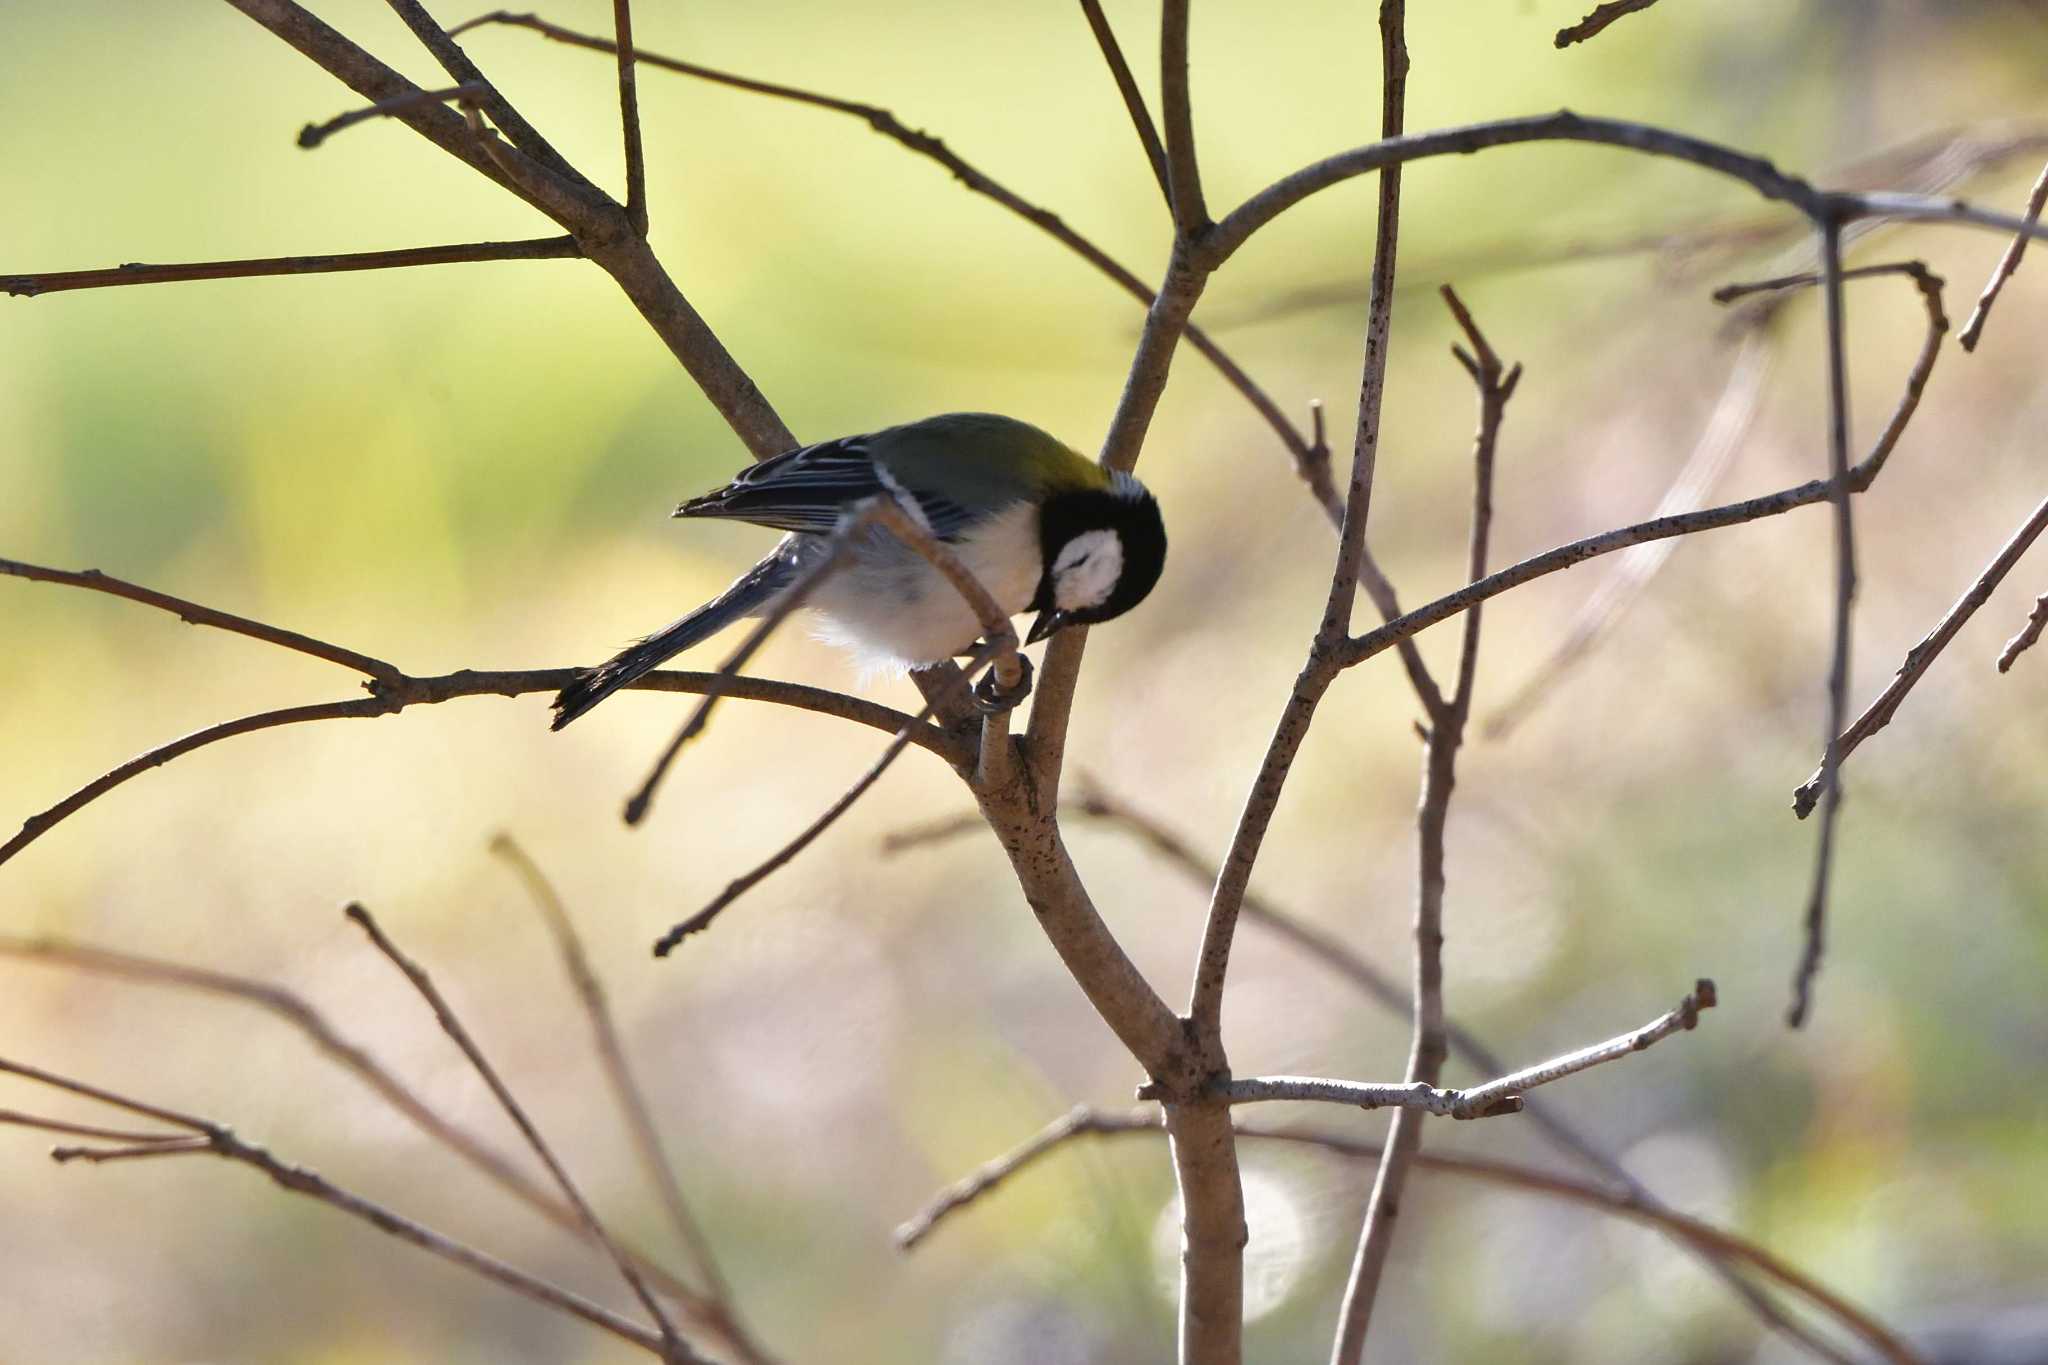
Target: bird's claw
[(994, 699)]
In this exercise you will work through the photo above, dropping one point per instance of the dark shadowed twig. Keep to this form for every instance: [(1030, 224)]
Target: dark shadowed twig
[(222, 1142), (1830, 777), (301, 1015), (1599, 19), (445, 1015), (625, 1087), (313, 134), (2028, 634), (629, 117), (2007, 264), (58, 281), (1708, 1240), (1134, 99), (1880, 711)]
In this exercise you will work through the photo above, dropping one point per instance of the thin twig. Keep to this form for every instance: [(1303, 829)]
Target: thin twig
[(58, 281), (775, 861), (222, 1142), (2029, 633), (1183, 173), (194, 614), (2007, 264), (445, 1015), (313, 134), (1714, 1243), (1830, 777), (629, 117), (1886, 705), (300, 1014), (626, 1089), (1599, 19), (14, 1118), (969, 176), (1134, 99)]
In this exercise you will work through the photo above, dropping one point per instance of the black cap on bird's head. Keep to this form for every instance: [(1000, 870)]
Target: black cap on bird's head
[(1103, 550)]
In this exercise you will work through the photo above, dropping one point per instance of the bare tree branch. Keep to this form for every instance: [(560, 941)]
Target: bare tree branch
[(2029, 633), (296, 1011), (970, 177), (781, 858), (629, 117), (1710, 1241), (223, 1143), (1445, 735), (1830, 777), (59, 281), (1599, 19), (313, 134), (1183, 174), (2007, 264), (1886, 705), (1134, 99), (625, 1087), (673, 1347)]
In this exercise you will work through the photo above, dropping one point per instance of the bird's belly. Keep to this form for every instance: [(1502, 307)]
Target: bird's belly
[(897, 612)]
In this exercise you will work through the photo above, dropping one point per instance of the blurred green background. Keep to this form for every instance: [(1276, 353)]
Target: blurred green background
[(471, 466)]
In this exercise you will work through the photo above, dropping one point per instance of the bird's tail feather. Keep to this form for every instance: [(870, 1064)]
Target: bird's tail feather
[(746, 597)]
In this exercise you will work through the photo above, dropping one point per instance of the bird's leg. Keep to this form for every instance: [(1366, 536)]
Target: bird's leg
[(993, 698)]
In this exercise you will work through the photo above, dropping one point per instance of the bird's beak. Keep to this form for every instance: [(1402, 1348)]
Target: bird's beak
[(1049, 620)]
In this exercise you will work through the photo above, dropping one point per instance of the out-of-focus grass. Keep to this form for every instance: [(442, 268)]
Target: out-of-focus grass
[(471, 466)]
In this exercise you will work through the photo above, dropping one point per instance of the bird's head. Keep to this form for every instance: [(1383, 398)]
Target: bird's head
[(1103, 550)]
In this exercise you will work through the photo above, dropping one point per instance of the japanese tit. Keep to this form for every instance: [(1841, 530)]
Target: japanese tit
[(1041, 527)]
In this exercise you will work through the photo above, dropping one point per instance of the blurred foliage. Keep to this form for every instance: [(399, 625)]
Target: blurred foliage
[(471, 466)]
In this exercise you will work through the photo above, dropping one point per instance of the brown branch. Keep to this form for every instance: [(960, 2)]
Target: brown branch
[(1861, 476), (223, 1143), (1183, 173), (2029, 633), (14, 1118), (1830, 777), (192, 613), (58, 281), (2007, 264), (1445, 735), (1599, 19), (1886, 705), (970, 177), (629, 117), (444, 1014), (1715, 1243), (313, 134), (626, 1090), (300, 1014), (1134, 99), (779, 859), (393, 691)]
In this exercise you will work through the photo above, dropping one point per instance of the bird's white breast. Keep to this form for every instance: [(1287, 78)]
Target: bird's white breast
[(896, 612)]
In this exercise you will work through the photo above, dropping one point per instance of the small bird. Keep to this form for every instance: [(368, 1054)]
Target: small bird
[(1042, 528)]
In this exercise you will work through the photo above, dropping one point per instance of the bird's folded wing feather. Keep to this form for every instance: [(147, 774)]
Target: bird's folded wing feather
[(809, 489)]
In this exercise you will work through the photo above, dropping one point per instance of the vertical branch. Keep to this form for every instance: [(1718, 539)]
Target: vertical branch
[(1830, 776), (1183, 174), (1134, 99), (1430, 1037), (629, 118)]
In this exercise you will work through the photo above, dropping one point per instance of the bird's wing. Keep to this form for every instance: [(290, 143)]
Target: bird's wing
[(808, 490)]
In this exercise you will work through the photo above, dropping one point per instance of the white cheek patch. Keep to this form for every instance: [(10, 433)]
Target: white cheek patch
[(1087, 570)]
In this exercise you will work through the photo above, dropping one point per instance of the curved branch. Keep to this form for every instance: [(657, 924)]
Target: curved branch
[(408, 691)]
